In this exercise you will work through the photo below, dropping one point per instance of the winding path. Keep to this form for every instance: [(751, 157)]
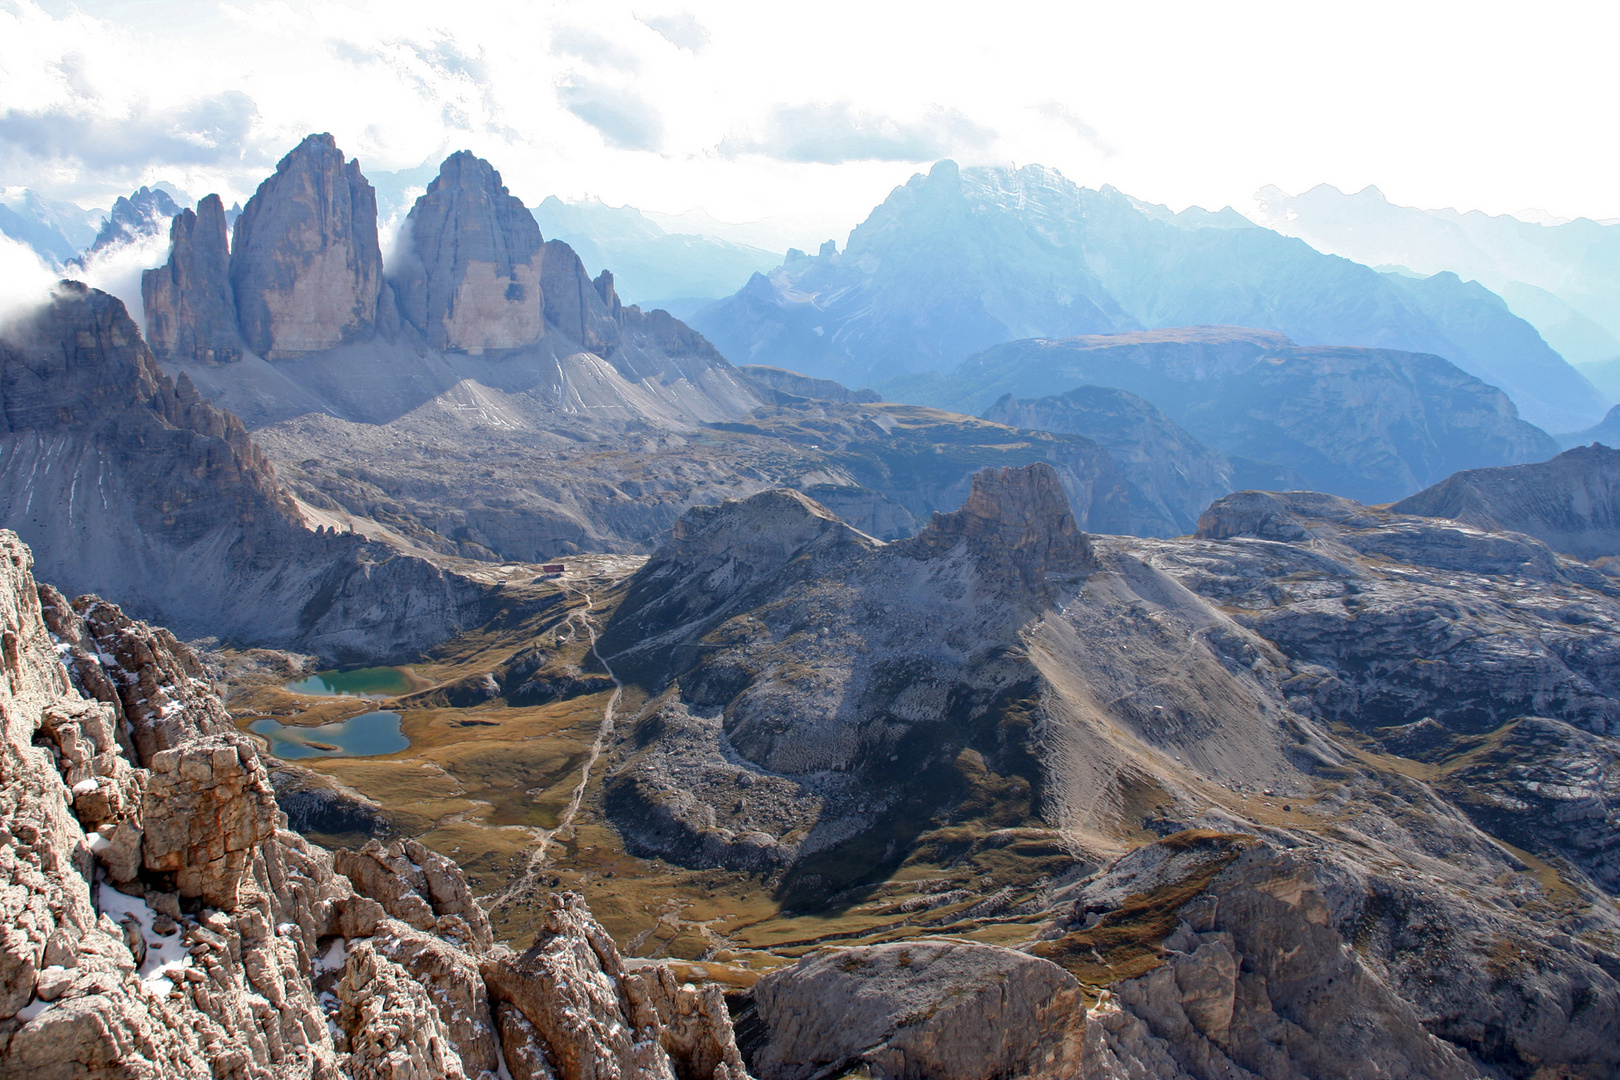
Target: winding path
[(604, 731)]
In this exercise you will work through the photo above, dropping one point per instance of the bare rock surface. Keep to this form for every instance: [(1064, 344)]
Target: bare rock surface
[(419, 887), (221, 945), (929, 1008), (596, 1019), (306, 269), (190, 306), (1571, 503), (474, 283)]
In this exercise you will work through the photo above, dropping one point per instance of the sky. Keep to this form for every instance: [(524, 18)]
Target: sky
[(805, 116)]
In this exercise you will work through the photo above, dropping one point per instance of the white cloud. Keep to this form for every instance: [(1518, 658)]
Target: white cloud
[(1173, 102), (624, 119), (25, 281), (681, 30), (833, 133)]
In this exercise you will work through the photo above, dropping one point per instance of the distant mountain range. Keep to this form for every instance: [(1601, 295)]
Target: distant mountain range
[(680, 272), (958, 260), (1562, 277), (1369, 424)]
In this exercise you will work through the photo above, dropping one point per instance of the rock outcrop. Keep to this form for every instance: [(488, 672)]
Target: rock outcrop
[(306, 268), (572, 303), (769, 608), (133, 218), (925, 1008), (190, 308), (474, 283), (1571, 502), (1017, 520), (225, 946), (597, 1019)]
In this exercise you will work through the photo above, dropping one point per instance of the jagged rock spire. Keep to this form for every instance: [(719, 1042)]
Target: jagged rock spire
[(305, 264), (474, 282), (190, 309)]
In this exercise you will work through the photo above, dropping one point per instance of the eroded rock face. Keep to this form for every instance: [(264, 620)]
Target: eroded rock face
[(930, 1008), (419, 887), (208, 807), (204, 960), (475, 283), (1571, 503), (190, 307), (306, 268), (598, 1020), (132, 486), (394, 1031), (572, 303), (1018, 521)]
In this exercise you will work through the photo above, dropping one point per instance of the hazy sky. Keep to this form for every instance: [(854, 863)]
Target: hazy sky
[(810, 113)]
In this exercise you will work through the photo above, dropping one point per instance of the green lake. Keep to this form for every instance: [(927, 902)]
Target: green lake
[(356, 682), (366, 735)]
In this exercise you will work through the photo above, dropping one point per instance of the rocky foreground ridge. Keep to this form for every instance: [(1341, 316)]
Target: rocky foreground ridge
[(157, 919)]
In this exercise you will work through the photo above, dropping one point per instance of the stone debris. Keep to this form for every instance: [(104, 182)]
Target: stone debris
[(177, 929)]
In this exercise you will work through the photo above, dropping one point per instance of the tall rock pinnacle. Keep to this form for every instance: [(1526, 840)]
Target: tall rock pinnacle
[(190, 312), (475, 283), (305, 263), (1018, 521)]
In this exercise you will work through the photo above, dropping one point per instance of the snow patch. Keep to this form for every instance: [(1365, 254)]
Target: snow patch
[(165, 956), (335, 957)]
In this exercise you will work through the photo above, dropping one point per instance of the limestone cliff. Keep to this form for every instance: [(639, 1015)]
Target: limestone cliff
[(474, 283), (1571, 502), (134, 487), (305, 263), (157, 919), (190, 308)]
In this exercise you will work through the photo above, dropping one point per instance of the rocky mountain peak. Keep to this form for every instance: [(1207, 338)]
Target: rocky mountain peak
[(190, 308), (306, 267), (84, 360), (1571, 502), (1018, 518), (475, 281), (132, 218)]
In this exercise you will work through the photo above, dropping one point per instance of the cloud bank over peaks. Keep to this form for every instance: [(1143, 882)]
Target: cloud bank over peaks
[(624, 119), (217, 132), (831, 133), (682, 30)]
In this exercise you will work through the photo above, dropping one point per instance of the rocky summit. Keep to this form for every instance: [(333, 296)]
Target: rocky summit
[(474, 281), (305, 265)]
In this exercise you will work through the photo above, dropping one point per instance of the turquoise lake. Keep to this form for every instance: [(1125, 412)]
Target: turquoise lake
[(366, 735), (357, 682)]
